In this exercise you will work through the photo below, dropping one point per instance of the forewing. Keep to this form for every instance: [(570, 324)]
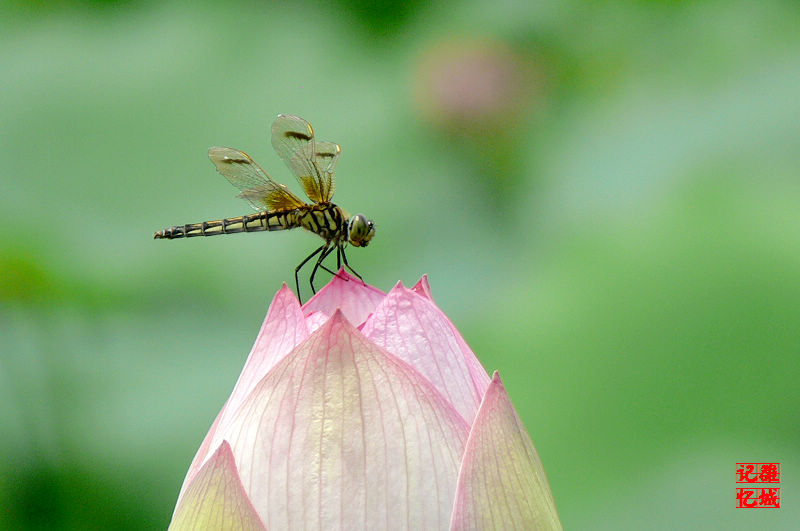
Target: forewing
[(293, 140), (255, 184)]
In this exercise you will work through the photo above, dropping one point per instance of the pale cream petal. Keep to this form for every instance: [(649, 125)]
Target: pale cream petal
[(215, 498), (502, 484), (343, 435)]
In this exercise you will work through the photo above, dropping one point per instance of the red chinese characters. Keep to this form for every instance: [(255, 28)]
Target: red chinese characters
[(758, 497)]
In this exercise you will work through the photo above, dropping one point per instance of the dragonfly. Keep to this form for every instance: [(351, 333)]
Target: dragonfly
[(314, 165)]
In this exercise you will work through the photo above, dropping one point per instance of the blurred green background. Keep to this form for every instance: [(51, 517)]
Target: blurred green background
[(605, 197)]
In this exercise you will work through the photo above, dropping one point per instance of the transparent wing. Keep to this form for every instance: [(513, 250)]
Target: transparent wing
[(256, 186), (313, 163), (326, 156)]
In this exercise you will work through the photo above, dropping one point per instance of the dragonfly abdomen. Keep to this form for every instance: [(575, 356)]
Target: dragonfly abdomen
[(260, 221)]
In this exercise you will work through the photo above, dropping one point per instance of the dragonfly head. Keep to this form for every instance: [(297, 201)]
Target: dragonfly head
[(360, 230)]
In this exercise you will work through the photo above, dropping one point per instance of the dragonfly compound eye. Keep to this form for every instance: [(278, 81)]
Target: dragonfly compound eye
[(360, 230)]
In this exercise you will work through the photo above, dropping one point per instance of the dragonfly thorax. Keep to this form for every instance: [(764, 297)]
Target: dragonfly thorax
[(360, 230)]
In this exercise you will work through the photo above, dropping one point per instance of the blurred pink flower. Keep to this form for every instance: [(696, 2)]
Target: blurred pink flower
[(365, 410), (473, 85)]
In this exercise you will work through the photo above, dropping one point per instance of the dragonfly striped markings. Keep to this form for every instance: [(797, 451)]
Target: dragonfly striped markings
[(313, 164)]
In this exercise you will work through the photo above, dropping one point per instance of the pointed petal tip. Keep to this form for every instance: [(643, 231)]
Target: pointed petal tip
[(399, 291), (285, 295), (316, 319), (224, 451), (345, 282), (283, 328), (423, 287), (216, 498), (286, 291), (513, 479), (336, 320), (413, 328), (283, 305), (356, 298), (343, 276), (338, 316)]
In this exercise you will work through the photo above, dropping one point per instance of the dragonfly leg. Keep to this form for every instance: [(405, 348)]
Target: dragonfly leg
[(339, 251), (297, 270), (323, 266), (344, 258), (325, 252)]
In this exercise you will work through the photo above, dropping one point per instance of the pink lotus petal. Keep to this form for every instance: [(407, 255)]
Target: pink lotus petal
[(423, 288), (215, 499), (412, 327), (502, 484), (283, 328), (342, 435), (316, 319), (347, 293), (200, 456)]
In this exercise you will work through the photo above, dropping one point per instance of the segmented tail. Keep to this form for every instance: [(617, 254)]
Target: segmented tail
[(251, 223)]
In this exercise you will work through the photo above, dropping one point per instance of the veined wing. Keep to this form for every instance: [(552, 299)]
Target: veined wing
[(326, 155), (255, 184), (313, 163)]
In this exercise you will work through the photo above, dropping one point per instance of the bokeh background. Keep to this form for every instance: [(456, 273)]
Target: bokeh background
[(604, 195)]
